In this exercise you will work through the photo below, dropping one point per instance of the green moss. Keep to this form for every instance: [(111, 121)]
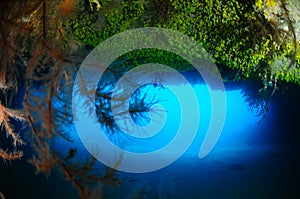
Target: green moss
[(234, 33), (146, 56)]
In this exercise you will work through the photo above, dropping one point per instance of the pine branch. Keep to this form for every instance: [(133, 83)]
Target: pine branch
[(5, 155), (5, 113)]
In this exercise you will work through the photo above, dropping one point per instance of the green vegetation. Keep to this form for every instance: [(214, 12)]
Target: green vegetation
[(43, 42), (238, 34)]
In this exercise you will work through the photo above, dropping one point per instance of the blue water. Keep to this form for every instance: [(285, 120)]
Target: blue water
[(251, 159), (244, 155), (236, 131)]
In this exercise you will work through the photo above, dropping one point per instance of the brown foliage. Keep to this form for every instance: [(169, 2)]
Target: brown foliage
[(5, 115), (35, 51), (10, 155), (66, 7)]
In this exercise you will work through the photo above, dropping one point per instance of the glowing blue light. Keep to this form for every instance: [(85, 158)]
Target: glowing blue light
[(240, 124), (239, 120)]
